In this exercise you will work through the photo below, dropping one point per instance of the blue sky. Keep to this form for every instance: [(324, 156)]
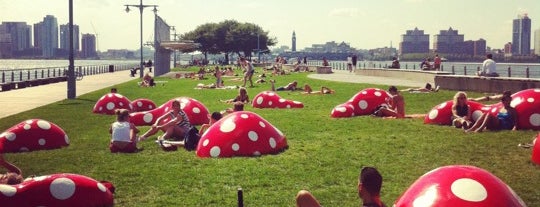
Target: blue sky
[(365, 24)]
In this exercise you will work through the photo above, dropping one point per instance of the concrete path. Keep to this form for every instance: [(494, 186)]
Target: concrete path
[(20, 100)]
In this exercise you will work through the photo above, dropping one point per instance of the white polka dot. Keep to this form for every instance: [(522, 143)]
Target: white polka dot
[(377, 93), (196, 110), (110, 106), (433, 114), (244, 116), (363, 104), (27, 126), (476, 114), (427, 198), (29, 121), (228, 125), (262, 124), (66, 139), (288, 106), (121, 104), (271, 94), (45, 125), (272, 142), (530, 100), (256, 153), (469, 190), (139, 104), (41, 142), (62, 188), (537, 90), (8, 190), (341, 109), (270, 103), (101, 187), (534, 119), (205, 142), (9, 135), (148, 117), (253, 136), (100, 108), (259, 100), (235, 147), (215, 151), (441, 106), (281, 100), (150, 106)]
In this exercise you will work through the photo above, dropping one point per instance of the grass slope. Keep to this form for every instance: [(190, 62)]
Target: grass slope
[(325, 154)]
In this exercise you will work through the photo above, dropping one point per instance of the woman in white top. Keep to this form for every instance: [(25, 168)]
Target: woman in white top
[(123, 133)]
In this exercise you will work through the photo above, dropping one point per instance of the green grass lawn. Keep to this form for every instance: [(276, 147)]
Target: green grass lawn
[(324, 155)]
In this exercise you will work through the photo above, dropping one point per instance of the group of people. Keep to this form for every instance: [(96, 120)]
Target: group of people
[(505, 119)]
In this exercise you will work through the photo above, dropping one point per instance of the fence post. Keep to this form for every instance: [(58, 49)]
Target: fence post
[(527, 72), (3, 77), (464, 70), (478, 70), (28, 74), (442, 67), (509, 71), (20, 75)]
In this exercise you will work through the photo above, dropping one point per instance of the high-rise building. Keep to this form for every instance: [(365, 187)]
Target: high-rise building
[(88, 49), (414, 41), (293, 41), (49, 38), (537, 41), (18, 34), (64, 37), (521, 35), (448, 41), (38, 34)]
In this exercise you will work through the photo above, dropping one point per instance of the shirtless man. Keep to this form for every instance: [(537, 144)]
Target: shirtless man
[(396, 106)]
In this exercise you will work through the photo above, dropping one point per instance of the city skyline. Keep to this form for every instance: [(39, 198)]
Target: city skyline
[(358, 23)]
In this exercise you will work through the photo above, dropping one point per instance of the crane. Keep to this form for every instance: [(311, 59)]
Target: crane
[(97, 36)]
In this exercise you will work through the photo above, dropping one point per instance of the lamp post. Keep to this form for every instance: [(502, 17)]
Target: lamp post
[(174, 51), (141, 8)]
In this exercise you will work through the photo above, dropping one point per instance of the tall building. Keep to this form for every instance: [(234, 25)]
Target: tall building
[(293, 41), (64, 37), (414, 41), (88, 49), (38, 34), (49, 38), (521, 35), (537, 41), (18, 34), (448, 41)]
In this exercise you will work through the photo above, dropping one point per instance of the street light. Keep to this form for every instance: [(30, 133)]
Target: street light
[(174, 51), (141, 8)]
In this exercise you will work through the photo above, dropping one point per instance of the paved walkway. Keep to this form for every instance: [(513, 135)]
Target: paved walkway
[(20, 100)]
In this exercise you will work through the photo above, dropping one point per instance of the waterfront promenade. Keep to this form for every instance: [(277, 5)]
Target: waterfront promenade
[(20, 100)]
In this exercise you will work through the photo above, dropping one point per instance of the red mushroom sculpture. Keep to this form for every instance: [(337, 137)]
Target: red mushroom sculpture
[(142, 104), (241, 133), (195, 110), (270, 99), (526, 103), (33, 134), (459, 185), (442, 113), (367, 100), (57, 190), (108, 103), (343, 111)]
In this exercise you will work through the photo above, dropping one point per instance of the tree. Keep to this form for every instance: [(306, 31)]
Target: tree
[(229, 37)]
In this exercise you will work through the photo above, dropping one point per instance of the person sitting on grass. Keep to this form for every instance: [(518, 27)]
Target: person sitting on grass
[(147, 81), (292, 86), (237, 106), (461, 112), (176, 127), (324, 90), (506, 118), (14, 174), (369, 190), (214, 117), (241, 97), (123, 133), (426, 89), (396, 106)]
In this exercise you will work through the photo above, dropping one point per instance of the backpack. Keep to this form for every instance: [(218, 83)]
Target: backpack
[(191, 139)]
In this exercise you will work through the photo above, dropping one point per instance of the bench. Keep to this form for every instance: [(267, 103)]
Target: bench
[(7, 86), (324, 69), (485, 84)]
